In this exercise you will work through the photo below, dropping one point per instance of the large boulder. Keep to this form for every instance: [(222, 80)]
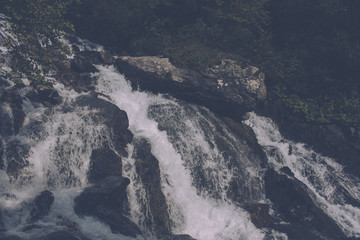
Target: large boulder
[(228, 88), (296, 206), (41, 205), (104, 163), (11, 112), (147, 166), (104, 112), (64, 235), (104, 200), (15, 157)]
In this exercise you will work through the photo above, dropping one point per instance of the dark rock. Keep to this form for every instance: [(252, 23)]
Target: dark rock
[(333, 140), (93, 57), (41, 205), (75, 48), (10, 237), (176, 237), (2, 227), (287, 171), (16, 118), (1, 156), (69, 79), (104, 163), (63, 66), (110, 115), (104, 200), (107, 58), (259, 214), (64, 235), (15, 157), (47, 96), (228, 88), (147, 166), (296, 205), (83, 63)]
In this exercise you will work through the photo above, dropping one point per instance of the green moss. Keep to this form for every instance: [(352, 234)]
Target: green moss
[(324, 109)]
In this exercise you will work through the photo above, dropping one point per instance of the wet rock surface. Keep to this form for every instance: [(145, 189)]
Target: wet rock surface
[(64, 235), (147, 166), (293, 201), (104, 200), (227, 88), (41, 205), (103, 163), (104, 112), (333, 140)]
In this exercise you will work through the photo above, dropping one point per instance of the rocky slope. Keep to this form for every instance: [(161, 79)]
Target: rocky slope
[(227, 88)]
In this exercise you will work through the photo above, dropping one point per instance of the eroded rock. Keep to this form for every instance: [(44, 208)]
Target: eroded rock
[(41, 205), (104, 112), (228, 88), (103, 163), (104, 200), (147, 166)]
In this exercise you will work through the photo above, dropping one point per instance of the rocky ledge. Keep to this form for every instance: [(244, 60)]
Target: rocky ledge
[(229, 88)]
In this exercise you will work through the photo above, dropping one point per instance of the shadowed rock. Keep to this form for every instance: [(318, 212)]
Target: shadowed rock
[(227, 88), (41, 205), (104, 112), (104, 200), (294, 201), (103, 163), (147, 167)]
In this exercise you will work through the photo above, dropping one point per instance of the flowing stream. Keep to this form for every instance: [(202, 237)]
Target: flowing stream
[(337, 193), (200, 160)]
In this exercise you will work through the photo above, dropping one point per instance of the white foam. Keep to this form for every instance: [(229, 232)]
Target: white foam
[(321, 174), (198, 216)]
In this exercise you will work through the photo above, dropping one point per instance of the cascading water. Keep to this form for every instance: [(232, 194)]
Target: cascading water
[(337, 193), (185, 151), (207, 173), (195, 157)]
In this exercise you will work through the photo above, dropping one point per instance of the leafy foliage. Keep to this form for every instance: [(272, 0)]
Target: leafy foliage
[(38, 26), (173, 28)]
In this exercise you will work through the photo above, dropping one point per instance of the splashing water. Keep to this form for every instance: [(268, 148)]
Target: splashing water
[(195, 214), (338, 193)]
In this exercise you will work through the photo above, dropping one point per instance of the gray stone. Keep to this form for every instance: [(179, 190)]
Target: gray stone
[(228, 88), (104, 163), (41, 205)]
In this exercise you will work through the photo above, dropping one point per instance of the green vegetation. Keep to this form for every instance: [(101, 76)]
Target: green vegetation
[(317, 44), (309, 50), (193, 33), (38, 25)]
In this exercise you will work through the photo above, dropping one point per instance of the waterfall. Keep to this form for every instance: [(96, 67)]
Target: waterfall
[(337, 193), (193, 209), (208, 173)]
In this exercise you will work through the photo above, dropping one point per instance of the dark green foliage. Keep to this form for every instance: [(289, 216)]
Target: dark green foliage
[(317, 46), (180, 30), (38, 26)]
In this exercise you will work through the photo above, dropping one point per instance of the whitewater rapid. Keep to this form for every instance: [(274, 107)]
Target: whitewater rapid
[(198, 215), (333, 188)]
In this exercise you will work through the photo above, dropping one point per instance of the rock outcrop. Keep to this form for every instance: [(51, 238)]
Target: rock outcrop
[(104, 162), (104, 200), (147, 166), (333, 140), (228, 88), (41, 205), (293, 201), (104, 112)]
